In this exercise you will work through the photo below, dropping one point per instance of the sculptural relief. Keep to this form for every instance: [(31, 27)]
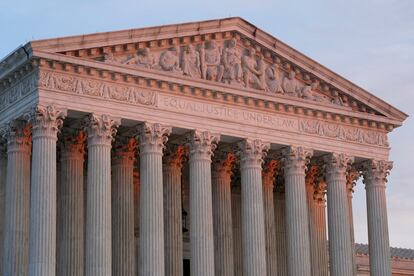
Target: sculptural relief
[(232, 63), (143, 58), (309, 93), (170, 60), (211, 68), (274, 77), (253, 70), (291, 85), (191, 64)]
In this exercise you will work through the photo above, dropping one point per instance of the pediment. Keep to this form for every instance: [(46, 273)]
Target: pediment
[(229, 52)]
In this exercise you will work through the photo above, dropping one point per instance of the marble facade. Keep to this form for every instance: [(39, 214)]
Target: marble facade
[(209, 141)]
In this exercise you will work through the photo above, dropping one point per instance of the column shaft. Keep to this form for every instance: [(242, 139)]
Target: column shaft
[(71, 207), (222, 215), (123, 240), (297, 228), (280, 229), (237, 233), (152, 139), (42, 241), (320, 227), (173, 227), (3, 175), (351, 178), (16, 220), (253, 229), (375, 174), (201, 210), (98, 251)]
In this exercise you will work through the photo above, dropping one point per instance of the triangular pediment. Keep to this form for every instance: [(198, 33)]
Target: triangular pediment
[(230, 52)]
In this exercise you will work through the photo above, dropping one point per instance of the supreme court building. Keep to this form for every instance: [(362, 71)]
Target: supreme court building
[(204, 148)]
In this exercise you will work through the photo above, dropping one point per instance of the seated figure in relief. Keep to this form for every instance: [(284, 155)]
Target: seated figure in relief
[(336, 98), (309, 92), (274, 77), (291, 85), (232, 63), (191, 62), (211, 68), (170, 61), (253, 70), (144, 58)]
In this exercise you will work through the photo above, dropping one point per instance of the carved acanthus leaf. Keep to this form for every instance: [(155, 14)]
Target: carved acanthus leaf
[(375, 172), (269, 172), (152, 137), (223, 164), (174, 156), (252, 152), (338, 163), (296, 158), (202, 144), (72, 144), (46, 120), (101, 128)]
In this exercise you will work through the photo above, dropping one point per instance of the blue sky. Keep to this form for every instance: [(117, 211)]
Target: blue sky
[(369, 42)]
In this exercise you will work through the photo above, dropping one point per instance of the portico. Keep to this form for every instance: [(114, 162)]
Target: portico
[(260, 139)]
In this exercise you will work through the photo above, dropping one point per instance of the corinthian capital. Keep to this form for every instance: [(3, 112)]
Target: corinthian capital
[(375, 172), (320, 192), (101, 129), (312, 175), (202, 144), (253, 152), (174, 157), (223, 164), (338, 163), (152, 137), (46, 121), (124, 150), (18, 135), (269, 172), (296, 158), (352, 176), (73, 144)]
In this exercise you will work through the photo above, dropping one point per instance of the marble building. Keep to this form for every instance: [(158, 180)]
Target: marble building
[(204, 148)]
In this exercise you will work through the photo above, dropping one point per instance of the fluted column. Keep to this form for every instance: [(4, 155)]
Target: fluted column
[(311, 177), (71, 206), (136, 216), (340, 249), (46, 122), (16, 221), (269, 217), (280, 229), (351, 178), (253, 229), (297, 229), (3, 174), (123, 240), (222, 216), (237, 233), (202, 145), (320, 227), (152, 139), (98, 251), (173, 227), (375, 177)]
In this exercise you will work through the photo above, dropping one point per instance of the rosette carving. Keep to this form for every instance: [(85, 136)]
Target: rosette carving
[(153, 137), (202, 144), (253, 152), (375, 172), (296, 158), (101, 129)]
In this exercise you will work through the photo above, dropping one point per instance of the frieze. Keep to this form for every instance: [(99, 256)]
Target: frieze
[(95, 88), (18, 91)]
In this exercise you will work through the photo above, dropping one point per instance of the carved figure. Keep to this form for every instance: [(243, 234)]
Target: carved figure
[(232, 63), (309, 93), (290, 85), (274, 77), (211, 69), (253, 71), (337, 98), (191, 62), (109, 58), (144, 58), (170, 61)]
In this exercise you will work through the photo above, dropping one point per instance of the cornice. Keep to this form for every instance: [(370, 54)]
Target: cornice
[(217, 92)]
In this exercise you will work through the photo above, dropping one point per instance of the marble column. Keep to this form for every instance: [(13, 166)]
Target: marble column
[(202, 145), (269, 216), (375, 177), (173, 226), (71, 206), (320, 227), (237, 232), (16, 220), (3, 174), (46, 122), (280, 229), (152, 139), (340, 249), (297, 228), (311, 177), (123, 240), (253, 228), (98, 252), (222, 216), (351, 179), (136, 216)]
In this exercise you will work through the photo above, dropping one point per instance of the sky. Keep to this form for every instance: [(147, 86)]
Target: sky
[(368, 42)]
